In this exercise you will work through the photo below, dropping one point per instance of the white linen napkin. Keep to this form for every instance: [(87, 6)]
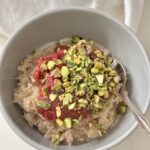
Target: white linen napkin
[(13, 13)]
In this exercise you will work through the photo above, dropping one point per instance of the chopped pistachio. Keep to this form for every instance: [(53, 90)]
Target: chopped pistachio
[(83, 41), (108, 69), (72, 70), (75, 39), (95, 87), (55, 72), (82, 105), (67, 99), (51, 64), (80, 93), (61, 97), (82, 64), (77, 61), (83, 101), (67, 57), (70, 63), (90, 92), (70, 89), (94, 70), (71, 51), (33, 52), (82, 57), (74, 82), (96, 98), (109, 61), (98, 65), (57, 84), (64, 71), (83, 85), (100, 78), (84, 73), (44, 80), (75, 55), (78, 69), (112, 73), (71, 106), (58, 111), (101, 93), (103, 88), (59, 122), (111, 84), (58, 61), (42, 104), (44, 90), (96, 105), (82, 51), (66, 84), (65, 79), (43, 66), (75, 122), (123, 109), (52, 97), (68, 122), (106, 94)]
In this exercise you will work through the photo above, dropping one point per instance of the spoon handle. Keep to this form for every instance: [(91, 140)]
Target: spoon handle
[(136, 112)]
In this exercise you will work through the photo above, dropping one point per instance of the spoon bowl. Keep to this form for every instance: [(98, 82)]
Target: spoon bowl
[(141, 119)]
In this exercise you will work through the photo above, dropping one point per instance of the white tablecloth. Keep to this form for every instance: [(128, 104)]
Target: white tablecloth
[(127, 11), (13, 13)]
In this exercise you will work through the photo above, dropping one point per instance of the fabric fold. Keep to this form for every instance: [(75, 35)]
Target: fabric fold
[(15, 13)]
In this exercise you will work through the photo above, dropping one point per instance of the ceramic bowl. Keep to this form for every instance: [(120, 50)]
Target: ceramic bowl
[(65, 22)]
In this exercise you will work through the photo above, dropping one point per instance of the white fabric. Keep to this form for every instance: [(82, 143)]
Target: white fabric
[(133, 12), (13, 13)]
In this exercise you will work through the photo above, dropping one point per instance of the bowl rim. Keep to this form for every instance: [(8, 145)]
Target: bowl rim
[(82, 9)]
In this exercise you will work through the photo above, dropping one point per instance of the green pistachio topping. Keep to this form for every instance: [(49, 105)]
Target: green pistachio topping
[(42, 104), (75, 39), (64, 71), (44, 66), (94, 70), (82, 79), (68, 122), (59, 122), (52, 97), (57, 84), (51, 65), (58, 111)]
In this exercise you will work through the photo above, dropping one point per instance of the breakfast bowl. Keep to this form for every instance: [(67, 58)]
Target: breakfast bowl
[(65, 22)]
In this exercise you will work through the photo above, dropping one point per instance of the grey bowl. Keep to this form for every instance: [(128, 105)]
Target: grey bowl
[(66, 22)]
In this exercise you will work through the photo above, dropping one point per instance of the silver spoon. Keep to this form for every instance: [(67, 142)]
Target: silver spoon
[(139, 116)]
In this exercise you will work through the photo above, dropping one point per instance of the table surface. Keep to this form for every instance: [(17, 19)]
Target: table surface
[(136, 141)]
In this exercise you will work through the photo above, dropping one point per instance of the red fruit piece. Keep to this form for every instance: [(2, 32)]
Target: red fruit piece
[(50, 115), (49, 83), (40, 111), (37, 74)]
